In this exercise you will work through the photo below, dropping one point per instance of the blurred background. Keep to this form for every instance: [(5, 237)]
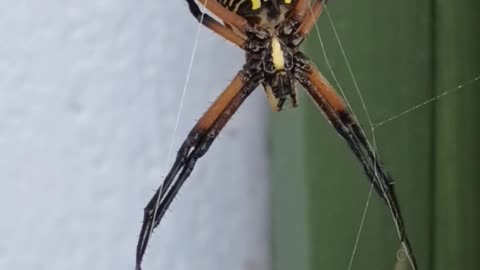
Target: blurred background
[(89, 98)]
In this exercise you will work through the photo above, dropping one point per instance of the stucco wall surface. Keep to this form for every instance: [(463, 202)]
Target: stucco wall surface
[(89, 92)]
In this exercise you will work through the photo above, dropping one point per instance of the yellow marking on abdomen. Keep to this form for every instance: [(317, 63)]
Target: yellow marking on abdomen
[(256, 4), (288, 1), (277, 55)]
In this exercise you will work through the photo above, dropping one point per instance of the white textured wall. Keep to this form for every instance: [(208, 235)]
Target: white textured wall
[(88, 96)]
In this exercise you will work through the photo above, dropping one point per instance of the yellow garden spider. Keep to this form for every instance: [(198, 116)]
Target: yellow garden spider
[(270, 32)]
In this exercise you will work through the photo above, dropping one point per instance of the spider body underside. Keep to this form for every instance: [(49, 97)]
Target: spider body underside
[(270, 32)]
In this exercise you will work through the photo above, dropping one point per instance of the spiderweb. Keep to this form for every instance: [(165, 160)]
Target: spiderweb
[(372, 125)]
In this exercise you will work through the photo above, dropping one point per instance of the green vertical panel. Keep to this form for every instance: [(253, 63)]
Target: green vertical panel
[(388, 44), (457, 226), (290, 217)]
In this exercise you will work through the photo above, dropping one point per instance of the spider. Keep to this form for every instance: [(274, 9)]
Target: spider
[(270, 32)]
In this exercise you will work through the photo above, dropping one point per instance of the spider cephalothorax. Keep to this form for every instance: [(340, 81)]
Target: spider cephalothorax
[(271, 44), (270, 32), (270, 52)]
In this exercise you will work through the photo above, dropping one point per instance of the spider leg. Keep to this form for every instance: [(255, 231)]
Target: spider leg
[(223, 14), (311, 16), (214, 25), (195, 146), (341, 119), (300, 9)]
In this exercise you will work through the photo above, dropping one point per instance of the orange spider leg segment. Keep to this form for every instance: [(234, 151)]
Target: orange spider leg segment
[(221, 103), (324, 89), (214, 25), (223, 31), (229, 17), (300, 9), (311, 17)]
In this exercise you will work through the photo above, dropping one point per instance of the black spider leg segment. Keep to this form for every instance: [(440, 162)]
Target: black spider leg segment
[(388, 183), (201, 17), (194, 147), (385, 184), (349, 130), (385, 181)]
